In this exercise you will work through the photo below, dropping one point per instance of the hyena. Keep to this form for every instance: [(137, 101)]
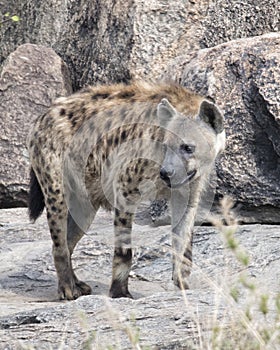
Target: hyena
[(113, 147)]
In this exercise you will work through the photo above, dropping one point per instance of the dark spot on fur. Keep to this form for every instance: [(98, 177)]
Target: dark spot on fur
[(116, 141), (123, 135), (125, 94), (117, 212), (50, 200), (52, 149), (54, 237), (56, 245), (140, 134), (50, 189), (53, 223), (53, 208), (146, 162), (109, 141), (100, 96), (36, 150), (48, 215), (123, 221), (62, 112), (57, 192), (125, 194), (155, 97), (70, 115), (129, 180)]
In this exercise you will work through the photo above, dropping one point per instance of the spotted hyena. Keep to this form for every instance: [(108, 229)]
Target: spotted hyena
[(113, 147)]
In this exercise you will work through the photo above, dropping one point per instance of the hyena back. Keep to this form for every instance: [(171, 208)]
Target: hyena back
[(112, 147)]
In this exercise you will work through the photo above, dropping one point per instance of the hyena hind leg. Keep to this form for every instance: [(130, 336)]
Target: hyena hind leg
[(69, 287), (74, 234)]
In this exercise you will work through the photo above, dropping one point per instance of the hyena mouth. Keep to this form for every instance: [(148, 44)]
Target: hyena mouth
[(190, 175)]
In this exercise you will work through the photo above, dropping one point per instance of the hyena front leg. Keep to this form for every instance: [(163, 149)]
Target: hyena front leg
[(122, 254), (182, 231)]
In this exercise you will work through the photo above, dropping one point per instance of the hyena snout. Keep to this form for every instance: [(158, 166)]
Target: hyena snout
[(166, 174)]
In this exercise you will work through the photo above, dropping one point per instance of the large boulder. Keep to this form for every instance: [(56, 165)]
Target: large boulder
[(243, 77), (31, 78), (94, 38), (166, 29), (112, 41)]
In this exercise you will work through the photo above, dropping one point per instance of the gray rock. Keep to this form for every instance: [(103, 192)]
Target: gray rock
[(229, 20), (31, 78), (160, 316), (94, 38), (113, 41)]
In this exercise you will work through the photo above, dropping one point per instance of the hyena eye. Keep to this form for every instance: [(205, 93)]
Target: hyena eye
[(185, 148)]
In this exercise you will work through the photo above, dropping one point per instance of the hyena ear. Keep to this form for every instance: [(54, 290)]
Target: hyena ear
[(165, 112), (211, 115)]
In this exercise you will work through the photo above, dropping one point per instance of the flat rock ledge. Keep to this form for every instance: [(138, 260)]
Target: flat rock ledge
[(159, 316)]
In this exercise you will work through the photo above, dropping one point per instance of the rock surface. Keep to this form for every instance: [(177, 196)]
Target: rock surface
[(31, 78), (94, 38), (115, 40), (159, 317)]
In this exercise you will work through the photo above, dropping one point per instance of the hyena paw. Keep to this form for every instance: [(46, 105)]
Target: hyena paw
[(180, 282), (180, 279), (118, 290), (77, 289)]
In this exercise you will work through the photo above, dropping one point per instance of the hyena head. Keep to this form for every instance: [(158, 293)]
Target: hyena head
[(191, 144)]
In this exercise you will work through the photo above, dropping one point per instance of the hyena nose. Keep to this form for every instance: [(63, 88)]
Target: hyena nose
[(166, 174)]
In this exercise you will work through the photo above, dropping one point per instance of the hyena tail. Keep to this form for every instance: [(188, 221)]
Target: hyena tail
[(36, 202)]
